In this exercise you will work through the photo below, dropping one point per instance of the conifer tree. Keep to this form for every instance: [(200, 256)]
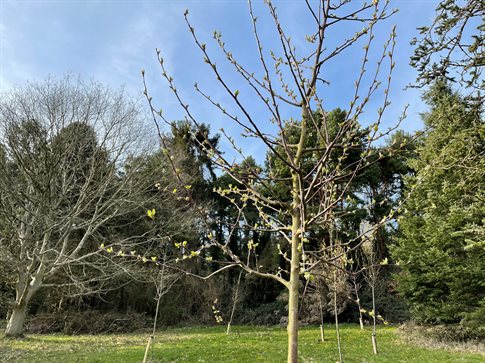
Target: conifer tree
[(441, 246)]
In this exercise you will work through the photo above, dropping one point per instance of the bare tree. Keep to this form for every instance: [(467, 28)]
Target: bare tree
[(313, 154), (371, 274), (163, 280), (236, 295), (64, 188)]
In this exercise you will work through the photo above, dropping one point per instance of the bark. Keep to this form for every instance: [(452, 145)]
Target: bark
[(322, 331), (296, 244), (15, 326), (24, 293), (374, 343), (335, 306), (335, 310), (293, 301), (236, 296), (357, 300), (160, 288), (374, 332)]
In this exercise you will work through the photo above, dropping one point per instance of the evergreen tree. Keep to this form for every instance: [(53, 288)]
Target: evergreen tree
[(439, 248)]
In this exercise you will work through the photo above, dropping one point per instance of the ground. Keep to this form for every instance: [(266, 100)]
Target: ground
[(211, 344)]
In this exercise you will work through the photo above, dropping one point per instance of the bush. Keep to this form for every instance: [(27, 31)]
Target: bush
[(265, 314), (87, 322), (446, 333), (388, 304)]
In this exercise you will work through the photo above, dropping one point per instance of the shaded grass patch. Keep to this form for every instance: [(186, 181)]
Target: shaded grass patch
[(211, 344)]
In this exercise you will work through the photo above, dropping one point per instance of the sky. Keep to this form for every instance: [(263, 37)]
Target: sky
[(112, 40)]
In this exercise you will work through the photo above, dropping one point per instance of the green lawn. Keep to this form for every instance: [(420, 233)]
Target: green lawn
[(210, 344)]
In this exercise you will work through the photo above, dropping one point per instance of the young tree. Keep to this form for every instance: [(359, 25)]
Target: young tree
[(371, 274), (319, 174), (63, 188), (163, 281)]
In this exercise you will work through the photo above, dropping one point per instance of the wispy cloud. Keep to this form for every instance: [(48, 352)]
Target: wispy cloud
[(111, 41)]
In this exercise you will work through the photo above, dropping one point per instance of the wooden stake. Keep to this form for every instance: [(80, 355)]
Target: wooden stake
[(147, 348), (374, 343)]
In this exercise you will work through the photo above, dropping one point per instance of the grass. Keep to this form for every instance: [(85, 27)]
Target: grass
[(211, 344)]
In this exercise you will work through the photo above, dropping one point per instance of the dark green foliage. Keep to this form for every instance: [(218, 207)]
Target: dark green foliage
[(439, 248), (87, 322), (322, 130), (449, 333), (390, 305), (270, 314)]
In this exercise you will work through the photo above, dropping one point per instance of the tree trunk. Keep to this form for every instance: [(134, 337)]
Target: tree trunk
[(236, 296), (335, 311), (24, 293), (374, 332), (322, 332), (361, 319), (357, 300), (15, 326), (296, 245), (159, 295), (374, 343), (293, 310), (293, 289)]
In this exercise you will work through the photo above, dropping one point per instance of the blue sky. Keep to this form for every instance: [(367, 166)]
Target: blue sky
[(111, 41)]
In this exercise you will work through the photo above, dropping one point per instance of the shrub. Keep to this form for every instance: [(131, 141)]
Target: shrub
[(87, 322)]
